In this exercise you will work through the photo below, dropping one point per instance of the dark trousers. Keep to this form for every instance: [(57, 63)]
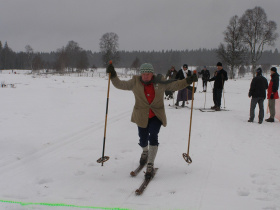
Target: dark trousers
[(204, 84), (150, 133), (254, 102), (217, 97)]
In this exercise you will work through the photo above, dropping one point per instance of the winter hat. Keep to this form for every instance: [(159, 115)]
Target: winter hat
[(204, 67), (259, 71), (273, 69), (185, 66), (219, 64), (146, 68)]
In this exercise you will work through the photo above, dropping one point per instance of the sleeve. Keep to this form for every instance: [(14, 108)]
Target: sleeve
[(123, 85), (275, 84), (177, 85), (225, 76), (252, 87)]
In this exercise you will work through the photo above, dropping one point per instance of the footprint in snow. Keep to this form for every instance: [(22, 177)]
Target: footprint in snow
[(243, 192)]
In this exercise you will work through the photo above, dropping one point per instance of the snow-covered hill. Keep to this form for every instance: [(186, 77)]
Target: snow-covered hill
[(52, 130)]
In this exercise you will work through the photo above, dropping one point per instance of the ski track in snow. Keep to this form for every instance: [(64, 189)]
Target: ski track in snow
[(235, 163)]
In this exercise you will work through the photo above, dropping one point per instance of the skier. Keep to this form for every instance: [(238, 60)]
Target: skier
[(272, 93), (148, 112), (205, 77), (257, 91), (170, 75), (183, 95), (220, 76)]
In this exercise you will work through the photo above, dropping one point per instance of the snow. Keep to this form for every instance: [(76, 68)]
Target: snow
[(52, 130)]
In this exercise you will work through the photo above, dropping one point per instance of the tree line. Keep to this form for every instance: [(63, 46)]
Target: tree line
[(243, 46)]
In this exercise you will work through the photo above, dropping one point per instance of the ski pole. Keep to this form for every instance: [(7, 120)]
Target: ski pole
[(224, 94), (205, 100), (105, 158), (186, 156)]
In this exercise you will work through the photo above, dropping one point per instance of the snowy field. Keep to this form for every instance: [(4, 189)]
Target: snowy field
[(52, 130)]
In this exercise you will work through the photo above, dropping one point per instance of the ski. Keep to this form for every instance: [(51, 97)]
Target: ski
[(145, 183), (212, 110), (137, 170)]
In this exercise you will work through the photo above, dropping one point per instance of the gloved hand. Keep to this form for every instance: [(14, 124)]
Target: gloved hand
[(111, 69), (192, 79), (249, 94), (272, 96)]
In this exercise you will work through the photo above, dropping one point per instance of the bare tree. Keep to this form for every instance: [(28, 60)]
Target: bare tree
[(72, 51), (30, 53), (257, 32), (109, 48), (233, 52)]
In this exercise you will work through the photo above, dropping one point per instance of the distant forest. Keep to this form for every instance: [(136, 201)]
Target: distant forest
[(76, 58)]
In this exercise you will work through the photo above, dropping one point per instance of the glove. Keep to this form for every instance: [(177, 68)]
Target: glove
[(272, 96), (111, 69), (249, 94), (192, 79)]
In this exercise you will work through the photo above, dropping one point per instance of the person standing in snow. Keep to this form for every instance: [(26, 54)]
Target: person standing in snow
[(257, 91), (272, 93), (220, 76), (205, 77), (170, 75), (148, 112), (182, 74)]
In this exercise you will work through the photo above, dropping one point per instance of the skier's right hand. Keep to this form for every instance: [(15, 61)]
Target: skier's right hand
[(111, 69)]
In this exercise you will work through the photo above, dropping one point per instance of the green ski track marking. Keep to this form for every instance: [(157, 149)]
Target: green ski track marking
[(59, 204)]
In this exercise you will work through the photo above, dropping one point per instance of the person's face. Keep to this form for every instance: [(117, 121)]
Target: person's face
[(172, 69), (146, 77), (219, 68), (271, 72), (185, 68)]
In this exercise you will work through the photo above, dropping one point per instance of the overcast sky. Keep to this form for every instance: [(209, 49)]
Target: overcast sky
[(47, 25)]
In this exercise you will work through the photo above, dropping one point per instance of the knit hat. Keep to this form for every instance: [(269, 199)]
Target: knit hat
[(146, 68), (259, 71), (185, 66), (219, 64), (273, 69)]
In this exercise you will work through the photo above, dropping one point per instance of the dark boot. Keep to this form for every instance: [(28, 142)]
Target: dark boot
[(250, 120), (269, 120), (217, 108), (213, 107), (177, 103), (183, 104)]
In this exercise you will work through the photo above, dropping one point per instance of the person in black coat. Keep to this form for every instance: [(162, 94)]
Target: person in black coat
[(257, 91), (205, 77), (220, 77)]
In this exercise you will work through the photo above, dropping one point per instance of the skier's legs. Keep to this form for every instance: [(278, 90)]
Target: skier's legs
[(154, 128), (143, 133)]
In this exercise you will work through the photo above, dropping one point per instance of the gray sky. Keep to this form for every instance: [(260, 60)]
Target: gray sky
[(47, 25)]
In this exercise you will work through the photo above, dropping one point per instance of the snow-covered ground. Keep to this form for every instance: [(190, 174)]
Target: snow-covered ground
[(52, 130)]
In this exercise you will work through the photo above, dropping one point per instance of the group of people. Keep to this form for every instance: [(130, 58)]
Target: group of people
[(257, 91), (149, 90), (220, 76)]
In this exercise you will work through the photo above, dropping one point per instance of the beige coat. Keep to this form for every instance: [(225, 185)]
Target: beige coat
[(140, 114)]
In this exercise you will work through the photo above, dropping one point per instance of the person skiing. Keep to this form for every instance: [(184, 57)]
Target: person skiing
[(148, 112), (220, 76), (272, 93), (205, 77), (183, 95), (257, 91), (170, 75)]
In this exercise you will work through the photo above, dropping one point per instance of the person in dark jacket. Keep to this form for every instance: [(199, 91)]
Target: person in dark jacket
[(184, 94), (205, 77), (272, 93), (220, 76), (170, 75), (257, 91)]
